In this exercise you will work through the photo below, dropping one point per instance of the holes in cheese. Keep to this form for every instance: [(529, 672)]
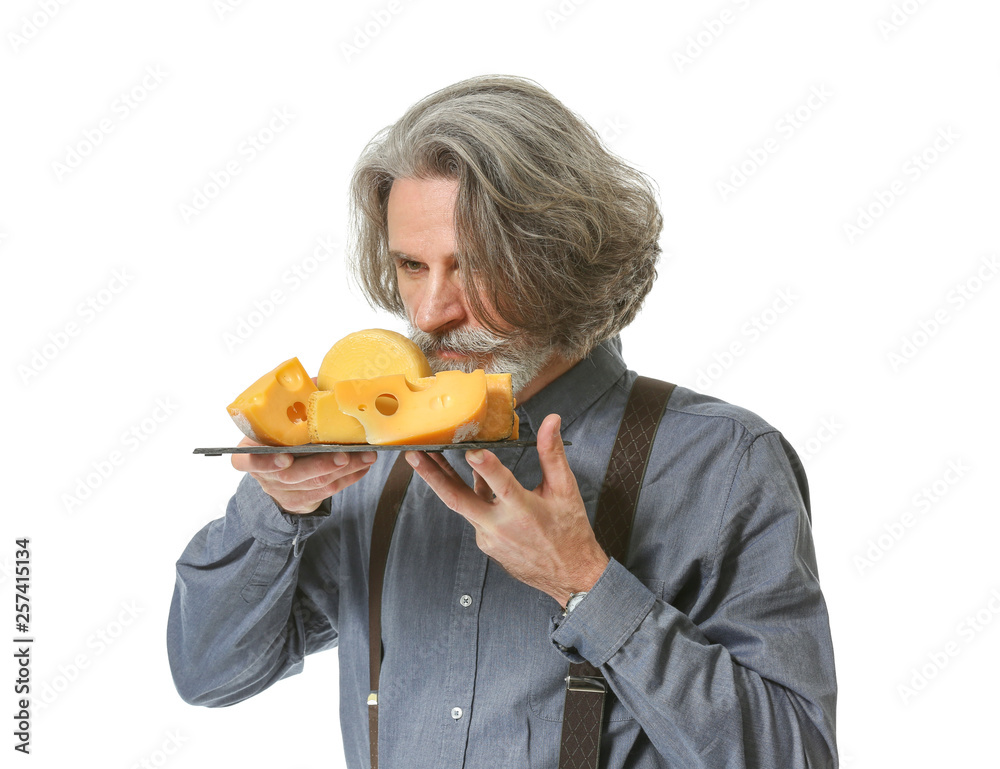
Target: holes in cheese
[(372, 353), (457, 414), (273, 409)]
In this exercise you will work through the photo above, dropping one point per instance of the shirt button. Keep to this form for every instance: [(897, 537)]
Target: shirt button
[(465, 600), (456, 713)]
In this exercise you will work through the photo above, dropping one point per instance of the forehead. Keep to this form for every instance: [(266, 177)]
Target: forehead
[(421, 215)]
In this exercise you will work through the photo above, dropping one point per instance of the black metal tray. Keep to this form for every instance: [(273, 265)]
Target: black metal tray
[(325, 448)]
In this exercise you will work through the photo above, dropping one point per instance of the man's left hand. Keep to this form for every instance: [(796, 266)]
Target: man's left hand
[(541, 537)]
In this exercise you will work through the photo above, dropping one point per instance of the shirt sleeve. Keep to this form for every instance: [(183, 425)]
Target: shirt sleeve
[(747, 678), (239, 619)]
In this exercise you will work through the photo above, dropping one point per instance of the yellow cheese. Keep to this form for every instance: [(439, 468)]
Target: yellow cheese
[(372, 353), (499, 422), (273, 410), (446, 408), (328, 424)]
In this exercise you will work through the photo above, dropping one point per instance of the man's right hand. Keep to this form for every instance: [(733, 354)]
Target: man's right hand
[(300, 484)]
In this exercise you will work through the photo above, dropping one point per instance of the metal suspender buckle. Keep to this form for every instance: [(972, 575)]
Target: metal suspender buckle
[(593, 684), (373, 700)]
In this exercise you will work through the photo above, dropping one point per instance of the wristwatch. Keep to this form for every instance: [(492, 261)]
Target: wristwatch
[(573, 602)]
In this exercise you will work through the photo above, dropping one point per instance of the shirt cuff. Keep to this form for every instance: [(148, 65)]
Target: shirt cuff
[(604, 620), (265, 521)]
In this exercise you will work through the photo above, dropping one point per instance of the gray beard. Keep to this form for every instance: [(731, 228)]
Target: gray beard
[(495, 355)]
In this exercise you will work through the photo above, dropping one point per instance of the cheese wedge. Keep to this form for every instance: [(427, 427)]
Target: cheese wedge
[(446, 408), (273, 409), (372, 353), (328, 424)]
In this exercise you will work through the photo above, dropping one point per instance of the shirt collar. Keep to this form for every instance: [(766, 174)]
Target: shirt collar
[(576, 390)]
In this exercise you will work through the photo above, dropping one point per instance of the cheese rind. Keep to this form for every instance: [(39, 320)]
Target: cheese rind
[(372, 353), (446, 408), (273, 410), (499, 422)]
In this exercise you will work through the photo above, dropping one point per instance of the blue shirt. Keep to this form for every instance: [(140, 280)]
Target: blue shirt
[(714, 637)]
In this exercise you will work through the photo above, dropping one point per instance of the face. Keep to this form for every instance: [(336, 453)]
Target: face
[(422, 241)]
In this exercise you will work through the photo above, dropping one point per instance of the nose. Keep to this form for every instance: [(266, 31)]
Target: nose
[(442, 305)]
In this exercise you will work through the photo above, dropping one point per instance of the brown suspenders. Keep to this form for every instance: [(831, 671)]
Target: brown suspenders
[(585, 685), (382, 526)]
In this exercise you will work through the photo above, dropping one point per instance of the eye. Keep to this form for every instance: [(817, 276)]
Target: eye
[(408, 265)]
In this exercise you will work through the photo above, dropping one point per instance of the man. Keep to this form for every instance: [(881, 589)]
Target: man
[(495, 222)]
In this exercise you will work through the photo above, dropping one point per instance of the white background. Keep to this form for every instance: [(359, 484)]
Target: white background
[(894, 415)]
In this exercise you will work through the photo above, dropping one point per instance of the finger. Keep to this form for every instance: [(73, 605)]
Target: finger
[(313, 466), (447, 484), (498, 478), (556, 473), (306, 501), (442, 462), (259, 463), (481, 487), (296, 468)]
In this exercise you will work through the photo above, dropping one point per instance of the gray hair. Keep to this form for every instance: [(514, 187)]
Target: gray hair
[(554, 231)]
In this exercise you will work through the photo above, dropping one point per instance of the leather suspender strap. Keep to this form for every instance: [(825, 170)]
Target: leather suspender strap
[(382, 527), (585, 685)]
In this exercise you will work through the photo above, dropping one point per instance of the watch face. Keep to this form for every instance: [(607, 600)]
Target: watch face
[(574, 599)]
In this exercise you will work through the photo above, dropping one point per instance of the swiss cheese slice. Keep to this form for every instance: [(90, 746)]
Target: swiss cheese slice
[(446, 408), (273, 410)]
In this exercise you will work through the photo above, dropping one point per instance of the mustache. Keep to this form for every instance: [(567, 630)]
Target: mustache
[(462, 340)]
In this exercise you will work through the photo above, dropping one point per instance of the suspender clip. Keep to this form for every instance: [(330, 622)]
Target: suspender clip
[(593, 684)]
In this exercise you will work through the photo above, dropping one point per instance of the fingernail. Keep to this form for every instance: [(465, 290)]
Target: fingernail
[(340, 459), (368, 457), (282, 461), (476, 457), (412, 459)]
